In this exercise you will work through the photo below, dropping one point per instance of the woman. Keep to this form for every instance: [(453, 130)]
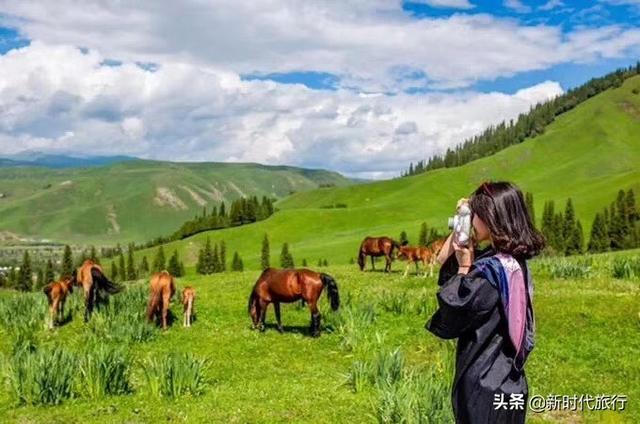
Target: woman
[(485, 302)]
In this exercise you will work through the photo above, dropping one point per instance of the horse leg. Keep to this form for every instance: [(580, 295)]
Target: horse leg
[(276, 306), (373, 263), (52, 313), (189, 312), (263, 314), (165, 311), (61, 311), (406, 270), (89, 298), (387, 265), (315, 318)]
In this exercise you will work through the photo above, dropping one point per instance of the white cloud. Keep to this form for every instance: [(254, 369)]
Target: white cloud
[(369, 45), (551, 4), (517, 5), (55, 98), (453, 4)]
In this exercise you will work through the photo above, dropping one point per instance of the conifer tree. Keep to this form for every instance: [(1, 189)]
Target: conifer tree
[(264, 258), (67, 262), (24, 282)]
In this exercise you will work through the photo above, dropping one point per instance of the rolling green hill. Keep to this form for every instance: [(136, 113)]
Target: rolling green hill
[(134, 200), (588, 154)]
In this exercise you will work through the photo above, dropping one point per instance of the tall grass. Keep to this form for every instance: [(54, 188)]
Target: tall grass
[(174, 375), (395, 302), (571, 269), (43, 377), (626, 267), (22, 317), (352, 325), (104, 370), (123, 319)]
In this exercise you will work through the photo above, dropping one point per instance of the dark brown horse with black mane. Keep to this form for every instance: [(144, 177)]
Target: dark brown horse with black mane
[(377, 246), (288, 285), (92, 279)]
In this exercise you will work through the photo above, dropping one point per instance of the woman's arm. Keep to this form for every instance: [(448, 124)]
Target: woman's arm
[(465, 302)]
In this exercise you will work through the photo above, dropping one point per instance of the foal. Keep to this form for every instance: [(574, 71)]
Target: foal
[(57, 292), (188, 296)]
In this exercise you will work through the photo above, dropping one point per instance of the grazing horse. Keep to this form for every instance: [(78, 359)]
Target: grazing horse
[(288, 285), (91, 277), (57, 292), (188, 296), (427, 255), (162, 290), (374, 247)]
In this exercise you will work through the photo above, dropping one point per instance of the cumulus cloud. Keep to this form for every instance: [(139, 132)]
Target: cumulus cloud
[(517, 5), (369, 45), (64, 99)]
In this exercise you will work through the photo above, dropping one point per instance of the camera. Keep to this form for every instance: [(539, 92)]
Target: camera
[(461, 224)]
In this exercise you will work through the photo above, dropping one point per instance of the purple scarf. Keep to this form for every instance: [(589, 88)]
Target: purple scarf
[(505, 274)]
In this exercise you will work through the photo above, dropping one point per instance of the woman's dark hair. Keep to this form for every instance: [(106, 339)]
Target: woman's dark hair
[(502, 207)]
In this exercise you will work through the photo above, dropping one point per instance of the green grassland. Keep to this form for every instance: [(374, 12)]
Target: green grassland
[(587, 154), (587, 343), (135, 200)]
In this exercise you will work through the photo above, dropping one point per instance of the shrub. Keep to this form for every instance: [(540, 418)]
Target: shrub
[(104, 370), (626, 267)]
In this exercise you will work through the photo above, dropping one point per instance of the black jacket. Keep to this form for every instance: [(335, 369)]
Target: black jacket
[(470, 310)]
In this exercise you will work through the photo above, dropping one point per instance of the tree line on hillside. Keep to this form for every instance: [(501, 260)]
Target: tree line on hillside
[(243, 211), (531, 124), (616, 227)]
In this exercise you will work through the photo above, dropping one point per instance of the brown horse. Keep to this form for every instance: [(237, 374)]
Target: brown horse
[(288, 285), (162, 290), (427, 255), (91, 277), (188, 296), (374, 247), (57, 292)]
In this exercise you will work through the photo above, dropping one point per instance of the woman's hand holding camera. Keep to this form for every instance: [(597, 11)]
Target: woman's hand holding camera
[(464, 256)]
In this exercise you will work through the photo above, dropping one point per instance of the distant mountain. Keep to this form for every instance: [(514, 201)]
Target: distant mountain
[(31, 158), (135, 200)]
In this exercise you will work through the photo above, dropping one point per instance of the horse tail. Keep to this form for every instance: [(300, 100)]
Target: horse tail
[(103, 282), (154, 303), (47, 291), (361, 257), (332, 290)]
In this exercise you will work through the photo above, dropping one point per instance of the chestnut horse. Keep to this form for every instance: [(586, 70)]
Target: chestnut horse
[(57, 292), (288, 285), (91, 277), (188, 296), (162, 290), (427, 255), (374, 247)]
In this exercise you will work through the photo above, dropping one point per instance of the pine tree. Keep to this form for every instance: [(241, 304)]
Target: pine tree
[(159, 262), (403, 237), (579, 237), (40, 279), (215, 260), (131, 266), (236, 263), (67, 262), (144, 267), (320, 262), (325, 262), (304, 263), (12, 277), (422, 239), (49, 274), (529, 201), (557, 233), (264, 259), (122, 269), (93, 255), (632, 211), (286, 259), (114, 271), (223, 256), (599, 240), (568, 227), (174, 265), (205, 259), (547, 222), (24, 282)]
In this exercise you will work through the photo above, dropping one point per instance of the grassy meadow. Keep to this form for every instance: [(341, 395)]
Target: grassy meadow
[(374, 362)]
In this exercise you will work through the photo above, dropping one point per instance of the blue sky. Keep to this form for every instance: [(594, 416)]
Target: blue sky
[(360, 87)]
